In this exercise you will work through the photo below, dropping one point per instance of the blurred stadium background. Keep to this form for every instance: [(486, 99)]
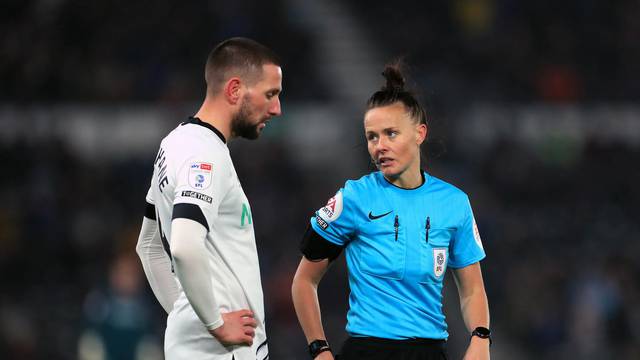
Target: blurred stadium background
[(534, 113)]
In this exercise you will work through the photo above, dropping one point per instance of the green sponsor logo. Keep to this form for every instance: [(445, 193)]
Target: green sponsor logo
[(246, 214)]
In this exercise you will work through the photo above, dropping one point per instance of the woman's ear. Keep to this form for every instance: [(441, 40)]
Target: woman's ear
[(421, 133)]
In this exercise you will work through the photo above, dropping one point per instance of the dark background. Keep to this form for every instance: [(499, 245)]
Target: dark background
[(533, 109)]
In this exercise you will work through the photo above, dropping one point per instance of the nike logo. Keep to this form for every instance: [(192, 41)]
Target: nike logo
[(373, 217)]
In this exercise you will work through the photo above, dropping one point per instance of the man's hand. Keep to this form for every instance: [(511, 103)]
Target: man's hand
[(238, 328), (478, 349)]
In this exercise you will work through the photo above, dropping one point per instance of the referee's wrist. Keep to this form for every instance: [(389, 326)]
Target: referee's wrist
[(481, 334), (316, 347)]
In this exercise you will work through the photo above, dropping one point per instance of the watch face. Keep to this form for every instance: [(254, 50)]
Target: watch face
[(482, 331)]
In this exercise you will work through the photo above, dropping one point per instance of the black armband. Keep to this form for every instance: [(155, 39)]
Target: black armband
[(150, 211), (315, 248), (191, 212)]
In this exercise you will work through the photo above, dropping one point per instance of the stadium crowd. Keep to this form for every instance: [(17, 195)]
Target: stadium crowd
[(559, 224)]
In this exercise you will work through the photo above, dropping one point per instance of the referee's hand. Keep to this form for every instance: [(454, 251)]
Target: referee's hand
[(238, 328), (478, 349), (325, 355)]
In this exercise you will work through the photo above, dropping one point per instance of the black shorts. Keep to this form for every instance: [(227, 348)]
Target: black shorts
[(361, 348)]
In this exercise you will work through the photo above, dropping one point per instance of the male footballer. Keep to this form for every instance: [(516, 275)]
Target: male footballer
[(197, 243)]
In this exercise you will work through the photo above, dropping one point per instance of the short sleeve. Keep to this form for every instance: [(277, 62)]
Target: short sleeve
[(466, 247), (335, 221), (202, 181)]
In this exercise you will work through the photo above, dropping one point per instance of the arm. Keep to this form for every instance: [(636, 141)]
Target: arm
[(192, 268), (475, 308), (304, 291), (156, 262)]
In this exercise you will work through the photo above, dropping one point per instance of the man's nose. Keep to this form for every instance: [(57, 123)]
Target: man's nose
[(275, 109)]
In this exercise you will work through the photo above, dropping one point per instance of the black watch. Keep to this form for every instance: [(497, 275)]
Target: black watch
[(318, 346), (482, 333)]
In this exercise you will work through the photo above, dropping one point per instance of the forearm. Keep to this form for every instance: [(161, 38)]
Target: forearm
[(307, 306), (193, 271), (475, 308), (157, 265)]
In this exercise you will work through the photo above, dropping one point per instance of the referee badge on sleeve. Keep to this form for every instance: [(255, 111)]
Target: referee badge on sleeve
[(200, 175), (331, 212), (476, 234)]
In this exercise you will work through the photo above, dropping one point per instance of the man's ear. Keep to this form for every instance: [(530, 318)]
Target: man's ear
[(233, 90)]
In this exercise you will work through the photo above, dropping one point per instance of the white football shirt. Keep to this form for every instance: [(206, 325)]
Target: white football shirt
[(193, 166)]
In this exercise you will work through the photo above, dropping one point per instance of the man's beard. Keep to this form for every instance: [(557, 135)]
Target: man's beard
[(241, 123)]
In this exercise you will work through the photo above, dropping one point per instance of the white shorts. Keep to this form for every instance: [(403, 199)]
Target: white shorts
[(186, 338)]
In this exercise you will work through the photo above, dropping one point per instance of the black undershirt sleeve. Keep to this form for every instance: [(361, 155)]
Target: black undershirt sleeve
[(150, 212), (315, 248)]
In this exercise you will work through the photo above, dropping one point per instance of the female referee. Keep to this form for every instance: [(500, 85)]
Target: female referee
[(400, 228)]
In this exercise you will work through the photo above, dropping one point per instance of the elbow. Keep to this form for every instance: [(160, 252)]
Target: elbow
[(301, 283), (296, 288), (183, 251), (178, 253), (140, 248), (146, 237), (295, 284)]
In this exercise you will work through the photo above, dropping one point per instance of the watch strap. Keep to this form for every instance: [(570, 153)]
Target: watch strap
[(482, 333), (318, 346)]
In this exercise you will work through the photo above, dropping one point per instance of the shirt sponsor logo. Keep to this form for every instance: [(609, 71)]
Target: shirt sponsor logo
[(439, 261), (331, 212), (246, 215), (197, 195), (200, 175)]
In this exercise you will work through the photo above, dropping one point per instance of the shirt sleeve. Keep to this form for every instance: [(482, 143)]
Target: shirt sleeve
[(336, 221), (156, 264), (466, 247), (202, 181), (149, 196), (194, 272)]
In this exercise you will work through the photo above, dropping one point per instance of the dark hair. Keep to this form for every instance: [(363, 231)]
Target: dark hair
[(237, 56), (394, 91)]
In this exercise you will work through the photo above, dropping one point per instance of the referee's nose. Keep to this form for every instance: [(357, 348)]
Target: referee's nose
[(381, 145)]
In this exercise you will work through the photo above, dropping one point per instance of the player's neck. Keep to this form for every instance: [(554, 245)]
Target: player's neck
[(215, 115)]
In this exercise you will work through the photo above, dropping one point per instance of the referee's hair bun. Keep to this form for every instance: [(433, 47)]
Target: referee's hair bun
[(393, 74)]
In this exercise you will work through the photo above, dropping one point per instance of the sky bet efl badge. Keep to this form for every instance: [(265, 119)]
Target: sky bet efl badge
[(200, 175)]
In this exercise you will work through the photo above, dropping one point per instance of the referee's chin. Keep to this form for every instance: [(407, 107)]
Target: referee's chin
[(390, 173)]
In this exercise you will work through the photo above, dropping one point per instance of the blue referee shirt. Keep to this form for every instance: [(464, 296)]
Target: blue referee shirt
[(398, 245)]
